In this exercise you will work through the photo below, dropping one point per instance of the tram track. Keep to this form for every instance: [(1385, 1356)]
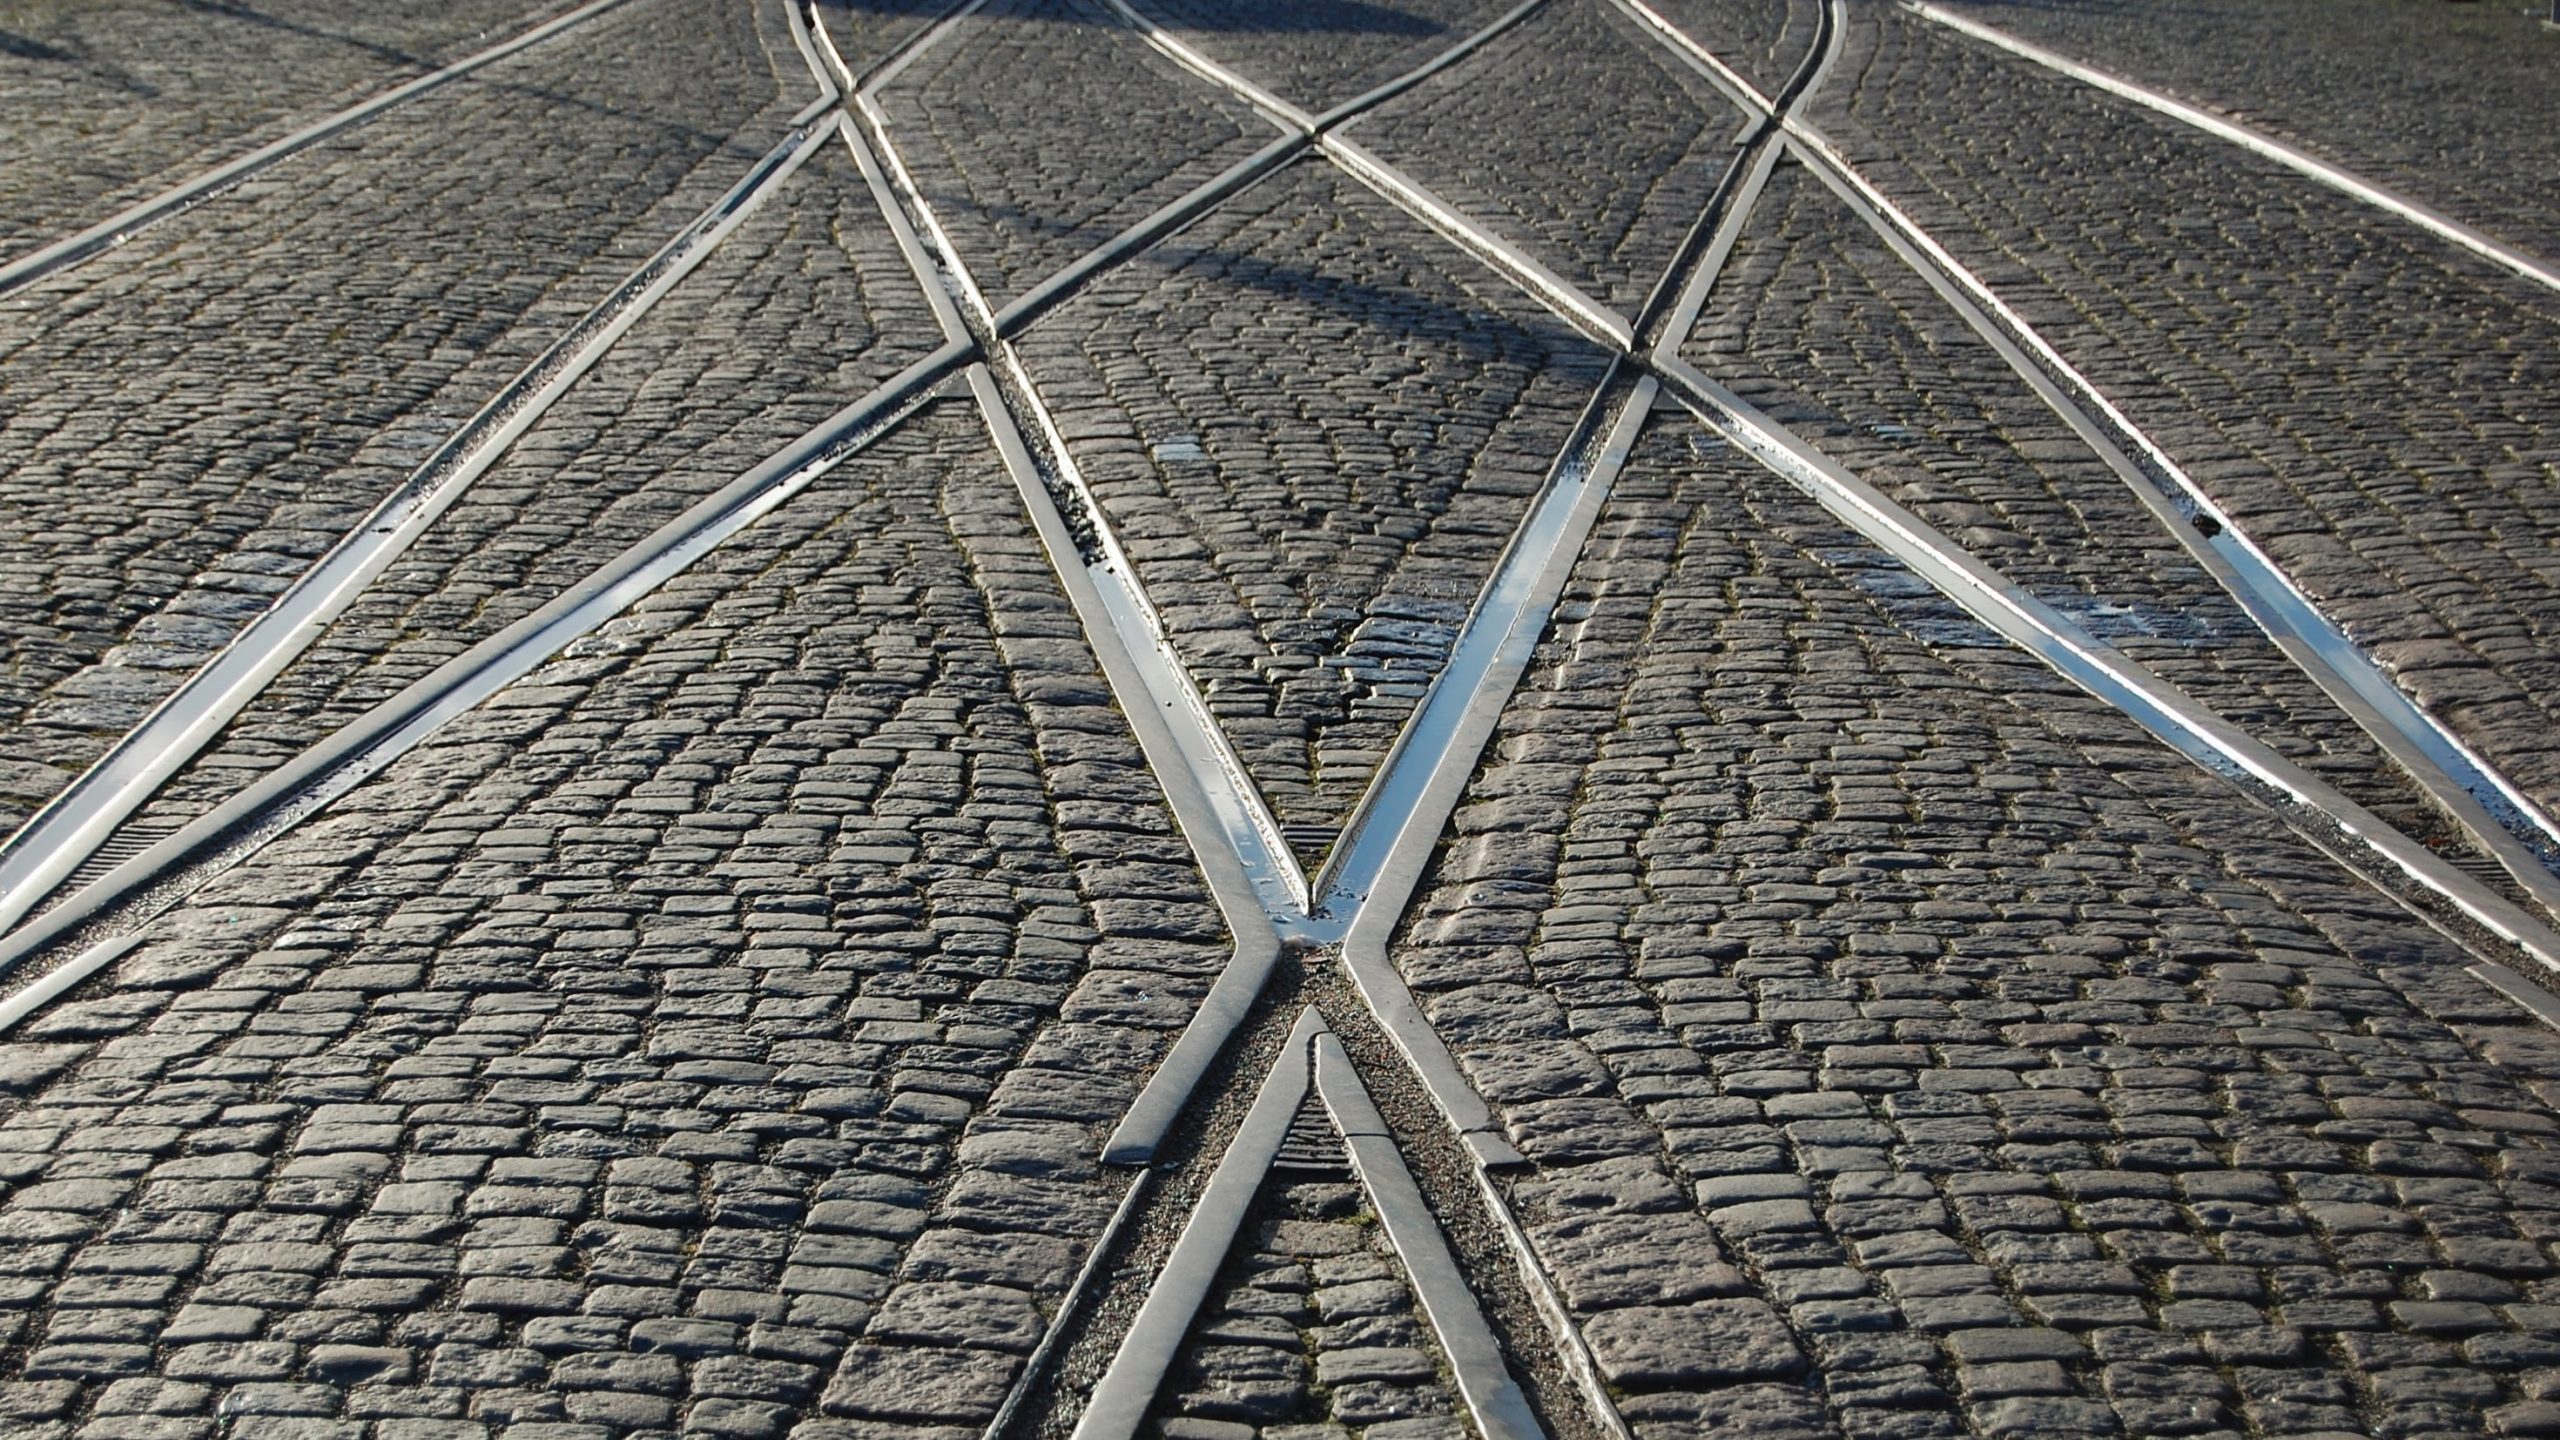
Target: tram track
[(1359, 897), (73, 827), (91, 921), (85, 245), (2257, 142), (2468, 790), (2325, 816), (2318, 810), (2328, 819)]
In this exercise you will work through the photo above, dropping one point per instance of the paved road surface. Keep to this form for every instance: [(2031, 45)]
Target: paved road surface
[(1385, 718)]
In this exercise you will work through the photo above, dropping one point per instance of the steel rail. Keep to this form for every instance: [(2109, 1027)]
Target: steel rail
[(2312, 805), (1382, 858), (97, 239), (2457, 780), (804, 41), (1243, 819), (1254, 942), (2208, 736), (53, 844), (1120, 1399), (1312, 1061), (216, 840), (1389, 841), (71, 827), (2257, 142), (1120, 620), (2465, 786)]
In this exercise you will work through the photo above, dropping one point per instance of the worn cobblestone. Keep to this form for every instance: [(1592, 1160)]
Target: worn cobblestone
[(2019, 1079)]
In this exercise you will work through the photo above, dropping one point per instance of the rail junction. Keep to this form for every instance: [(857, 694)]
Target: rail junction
[(1372, 720)]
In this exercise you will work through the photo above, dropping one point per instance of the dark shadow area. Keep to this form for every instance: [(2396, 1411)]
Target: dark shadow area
[(1332, 17), (1475, 331), (230, 10), (27, 47)]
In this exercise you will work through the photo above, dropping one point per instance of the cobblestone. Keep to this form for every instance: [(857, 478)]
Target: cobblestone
[(1041, 128), (1313, 522), (2374, 407), (551, 1125), (717, 1031), (1576, 135), (810, 285), (2420, 101), (108, 104), (164, 481), (1819, 326), (1765, 40), (2017, 1080)]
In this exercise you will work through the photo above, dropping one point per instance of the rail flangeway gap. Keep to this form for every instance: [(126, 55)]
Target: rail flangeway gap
[(1311, 1188)]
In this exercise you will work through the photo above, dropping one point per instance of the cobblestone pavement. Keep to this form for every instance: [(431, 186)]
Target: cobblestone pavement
[(817, 984), (811, 286), (1578, 138), (1822, 327), (2423, 100), (2381, 419), (165, 479), (105, 103), (1312, 519)]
